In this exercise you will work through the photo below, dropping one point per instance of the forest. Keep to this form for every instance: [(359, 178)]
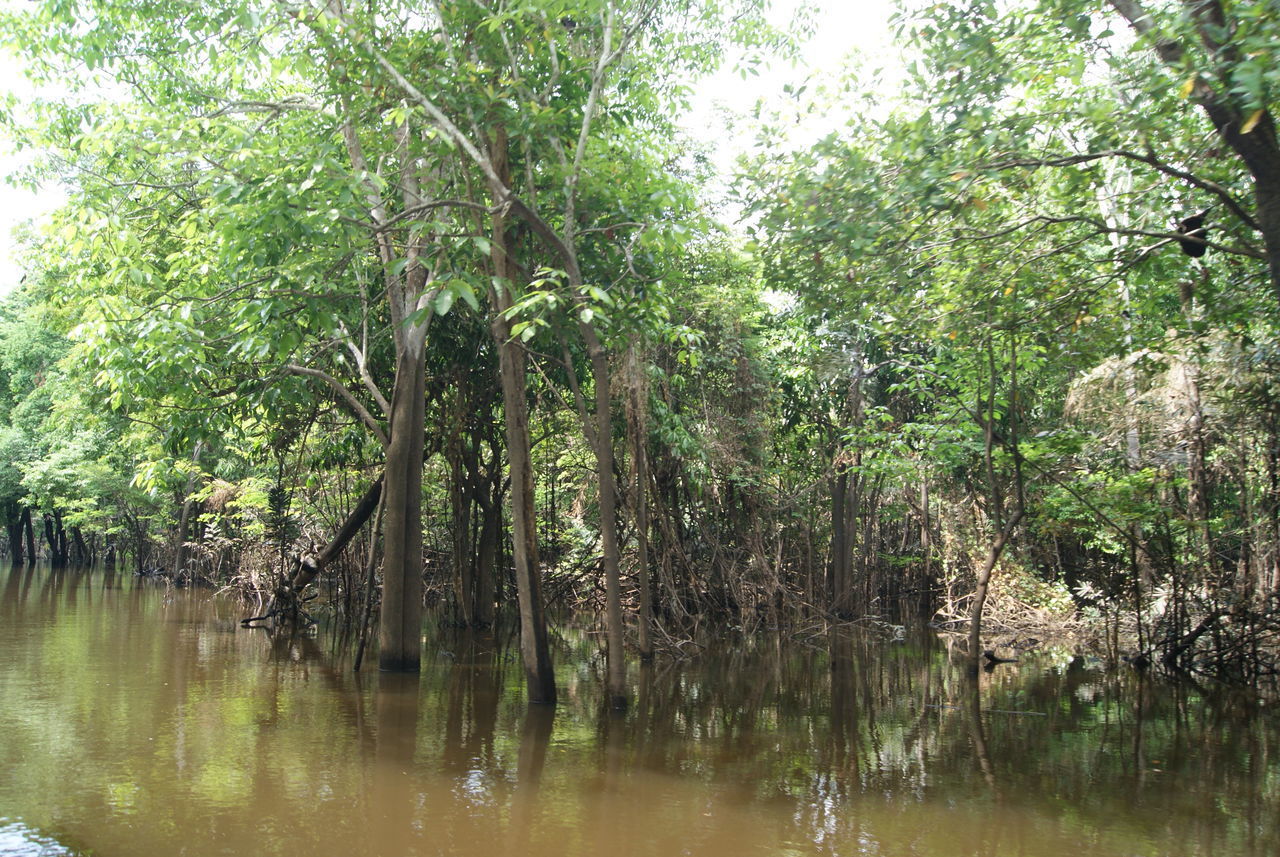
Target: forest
[(378, 314)]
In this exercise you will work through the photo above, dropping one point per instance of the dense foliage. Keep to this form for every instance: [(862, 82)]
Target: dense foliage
[(439, 277)]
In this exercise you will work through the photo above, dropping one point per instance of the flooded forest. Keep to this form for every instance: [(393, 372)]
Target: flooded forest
[(645, 427)]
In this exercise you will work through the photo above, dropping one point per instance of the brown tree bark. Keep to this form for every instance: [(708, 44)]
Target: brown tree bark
[(310, 567), (534, 650), (640, 503), (15, 537), (30, 535), (80, 549), (487, 557), (838, 562), (460, 506), (400, 623), (602, 436), (984, 584)]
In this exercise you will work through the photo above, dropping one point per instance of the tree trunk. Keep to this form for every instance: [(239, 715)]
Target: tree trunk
[(1267, 194), (60, 530), (15, 537), (31, 535), (640, 502), (984, 582), (400, 623), (51, 539), (180, 538), (838, 562), (607, 488), (534, 651), (81, 550), (460, 507), (487, 559)]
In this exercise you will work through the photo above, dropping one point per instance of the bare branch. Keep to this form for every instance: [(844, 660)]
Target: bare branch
[(1150, 159), (1103, 228), (345, 396), (362, 366), (275, 108)]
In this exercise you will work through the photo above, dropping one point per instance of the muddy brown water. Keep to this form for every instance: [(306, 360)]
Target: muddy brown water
[(137, 719)]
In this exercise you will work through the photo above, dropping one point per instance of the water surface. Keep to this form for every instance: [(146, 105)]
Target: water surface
[(137, 719)]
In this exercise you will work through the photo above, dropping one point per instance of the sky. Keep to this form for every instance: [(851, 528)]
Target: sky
[(848, 35), (16, 205), (843, 27)]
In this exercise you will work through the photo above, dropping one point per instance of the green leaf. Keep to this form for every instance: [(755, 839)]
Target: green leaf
[(464, 290), (444, 301)]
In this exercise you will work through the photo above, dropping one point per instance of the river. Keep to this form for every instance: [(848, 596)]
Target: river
[(139, 719)]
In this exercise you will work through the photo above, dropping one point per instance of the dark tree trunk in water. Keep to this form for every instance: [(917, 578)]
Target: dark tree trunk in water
[(460, 506), (31, 535), (15, 544), (81, 551), (534, 651), (984, 583), (487, 561), (50, 539), (607, 489), (180, 538), (56, 537), (841, 552), (639, 442), (400, 628), (15, 537), (62, 538)]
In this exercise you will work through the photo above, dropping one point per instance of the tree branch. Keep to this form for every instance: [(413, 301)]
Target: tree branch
[(345, 396), (1190, 178)]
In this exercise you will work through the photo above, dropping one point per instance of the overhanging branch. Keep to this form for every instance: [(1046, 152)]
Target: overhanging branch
[(345, 396)]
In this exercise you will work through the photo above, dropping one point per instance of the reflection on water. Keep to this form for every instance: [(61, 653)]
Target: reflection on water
[(140, 720), (18, 841)]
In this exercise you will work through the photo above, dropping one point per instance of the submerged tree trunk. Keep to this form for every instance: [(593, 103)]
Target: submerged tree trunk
[(838, 562), (607, 488), (846, 503), (487, 555), (30, 535), (640, 503), (180, 537), (534, 650), (62, 538), (81, 550), (400, 623), (55, 536), (15, 537), (984, 583), (460, 508)]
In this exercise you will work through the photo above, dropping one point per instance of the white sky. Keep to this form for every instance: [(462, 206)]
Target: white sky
[(843, 27), (848, 35)]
